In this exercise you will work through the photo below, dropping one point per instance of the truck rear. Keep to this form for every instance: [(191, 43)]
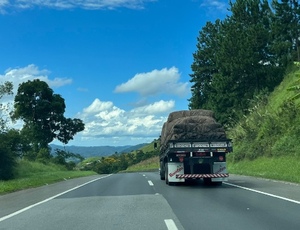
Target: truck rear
[(193, 146)]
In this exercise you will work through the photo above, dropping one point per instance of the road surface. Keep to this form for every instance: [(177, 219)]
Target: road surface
[(138, 201)]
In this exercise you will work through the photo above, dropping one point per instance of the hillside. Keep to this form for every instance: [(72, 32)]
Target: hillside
[(272, 126), (269, 133)]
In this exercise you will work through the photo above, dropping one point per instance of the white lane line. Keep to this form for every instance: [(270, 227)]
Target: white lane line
[(48, 199), (150, 183), (264, 193), (170, 224)]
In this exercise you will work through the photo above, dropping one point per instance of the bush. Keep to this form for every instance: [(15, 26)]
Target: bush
[(7, 163)]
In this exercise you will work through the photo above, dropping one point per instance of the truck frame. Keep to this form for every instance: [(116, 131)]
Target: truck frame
[(184, 160)]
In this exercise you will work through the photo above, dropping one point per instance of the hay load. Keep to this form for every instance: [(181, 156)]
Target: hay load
[(191, 125)]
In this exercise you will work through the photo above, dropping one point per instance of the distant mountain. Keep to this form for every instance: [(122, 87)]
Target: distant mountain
[(97, 151)]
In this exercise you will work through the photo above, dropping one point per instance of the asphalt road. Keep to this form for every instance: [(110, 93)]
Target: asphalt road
[(138, 201)]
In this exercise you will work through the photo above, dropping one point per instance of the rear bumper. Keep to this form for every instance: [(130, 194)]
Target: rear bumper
[(198, 176)]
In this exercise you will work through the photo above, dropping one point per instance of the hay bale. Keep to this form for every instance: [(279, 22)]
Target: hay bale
[(188, 113), (191, 125)]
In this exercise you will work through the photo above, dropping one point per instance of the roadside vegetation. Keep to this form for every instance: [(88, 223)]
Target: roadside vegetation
[(25, 156), (31, 174), (266, 140), (120, 161), (151, 164)]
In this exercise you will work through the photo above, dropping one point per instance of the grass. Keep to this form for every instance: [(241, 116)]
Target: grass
[(284, 168), (34, 174), (146, 165)]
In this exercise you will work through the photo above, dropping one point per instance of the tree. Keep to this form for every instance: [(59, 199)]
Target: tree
[(66, 158), (286, 31), (8, 139), (5, 89), (42, 112), (204, 66), (234, 61), (9, 150)]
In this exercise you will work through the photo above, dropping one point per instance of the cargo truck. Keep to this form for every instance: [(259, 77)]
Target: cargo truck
[(193, 146)]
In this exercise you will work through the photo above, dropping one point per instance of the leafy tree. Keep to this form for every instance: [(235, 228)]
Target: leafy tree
[(8, 139), (5, 89), (7, 162), (204, 66), (234, 61), (42, 112), (65, 158), (286, 30), (9, 150)]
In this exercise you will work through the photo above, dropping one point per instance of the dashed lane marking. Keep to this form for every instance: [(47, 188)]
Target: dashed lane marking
[(150, 183), (170, 224)]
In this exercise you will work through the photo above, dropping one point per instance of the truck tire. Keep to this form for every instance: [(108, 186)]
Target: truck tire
[(166, 175), (162, 175)]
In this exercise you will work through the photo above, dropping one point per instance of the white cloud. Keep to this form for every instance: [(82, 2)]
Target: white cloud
[(156, 108), (98, 106), (104, 120), (29, 73), (164, 81), (3, 3), (214, 5), (70, 4)]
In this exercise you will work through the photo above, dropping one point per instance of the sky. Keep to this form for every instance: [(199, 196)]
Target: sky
[(121, 65)]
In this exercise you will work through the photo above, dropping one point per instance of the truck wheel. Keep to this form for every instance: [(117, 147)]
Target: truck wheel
[(162, 175), (166, 175)]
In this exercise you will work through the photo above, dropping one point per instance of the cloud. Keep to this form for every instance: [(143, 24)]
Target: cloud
[(156, 108), (71, 4), (4, 3), (29, 73), (156, 82), (215, 5), (104, 120)]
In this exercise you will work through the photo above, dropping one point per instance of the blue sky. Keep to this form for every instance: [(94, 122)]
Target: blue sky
[(121, 65)]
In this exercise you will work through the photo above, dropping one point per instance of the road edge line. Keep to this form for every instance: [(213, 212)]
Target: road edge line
[(263, 193)]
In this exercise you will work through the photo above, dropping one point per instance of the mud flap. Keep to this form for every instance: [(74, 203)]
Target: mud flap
[(219, 168), (175, 168)]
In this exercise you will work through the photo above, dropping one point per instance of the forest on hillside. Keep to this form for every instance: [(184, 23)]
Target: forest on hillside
[(244, 56)]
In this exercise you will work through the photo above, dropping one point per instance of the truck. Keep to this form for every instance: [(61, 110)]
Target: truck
[(193, 146)]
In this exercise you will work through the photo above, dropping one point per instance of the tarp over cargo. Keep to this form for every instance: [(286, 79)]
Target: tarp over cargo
[(191, 125)]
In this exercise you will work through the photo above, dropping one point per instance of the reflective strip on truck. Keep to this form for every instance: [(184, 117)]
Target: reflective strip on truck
[(187, 176)]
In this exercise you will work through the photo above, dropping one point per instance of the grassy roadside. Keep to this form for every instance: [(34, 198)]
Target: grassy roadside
[(146, 165), (33, 174), (285, 168)]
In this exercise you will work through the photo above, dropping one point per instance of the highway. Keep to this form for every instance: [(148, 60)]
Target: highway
[(138, 201)]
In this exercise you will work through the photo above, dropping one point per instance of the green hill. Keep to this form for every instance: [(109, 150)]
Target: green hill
[(266, 140)]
